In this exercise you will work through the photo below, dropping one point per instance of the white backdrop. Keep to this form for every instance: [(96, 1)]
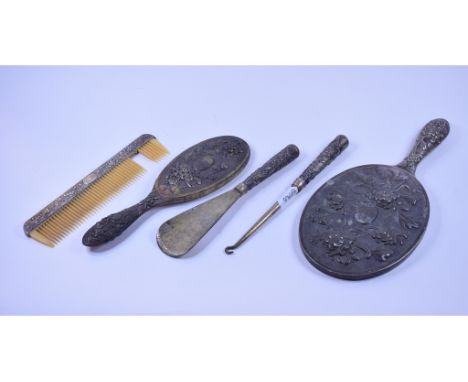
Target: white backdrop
[(60, 123)]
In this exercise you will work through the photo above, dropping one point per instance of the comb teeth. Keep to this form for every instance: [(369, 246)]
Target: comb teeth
[(153, 150), (52, 231)]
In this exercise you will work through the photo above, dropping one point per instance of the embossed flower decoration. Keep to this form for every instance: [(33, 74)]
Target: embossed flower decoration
[(435, 131), (232, 149), (335, 201), (342, 248), (338, 244), (392, 197), (388, 238), (385, 198), (408, 222), (387, 189), (182, 174)]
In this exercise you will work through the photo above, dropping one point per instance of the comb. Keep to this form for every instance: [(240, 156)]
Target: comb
[(67, 212)]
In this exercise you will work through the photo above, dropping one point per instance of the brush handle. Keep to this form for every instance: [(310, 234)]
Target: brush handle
[(327, 156), (114, 225), (280, 160), (430, 137)]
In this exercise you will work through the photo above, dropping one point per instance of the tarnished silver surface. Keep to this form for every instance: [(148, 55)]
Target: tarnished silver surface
[(46, 213), (180, 234), (196, 172), (328, 155), (369, 219)]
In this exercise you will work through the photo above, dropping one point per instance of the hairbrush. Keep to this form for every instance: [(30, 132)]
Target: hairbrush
[(196, 172), (59, 218)]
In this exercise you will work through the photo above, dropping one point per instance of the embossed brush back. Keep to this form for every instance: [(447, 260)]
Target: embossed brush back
[(196, 172), (67, 212)]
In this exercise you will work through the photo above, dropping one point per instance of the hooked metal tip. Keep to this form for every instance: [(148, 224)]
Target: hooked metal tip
[(230, 250)]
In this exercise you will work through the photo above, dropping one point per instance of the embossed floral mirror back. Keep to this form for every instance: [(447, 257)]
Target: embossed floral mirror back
[(368, 219)]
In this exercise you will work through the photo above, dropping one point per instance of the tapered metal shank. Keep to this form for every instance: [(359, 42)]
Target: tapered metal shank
[(327, 156), (177, 236), (267, 216)]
